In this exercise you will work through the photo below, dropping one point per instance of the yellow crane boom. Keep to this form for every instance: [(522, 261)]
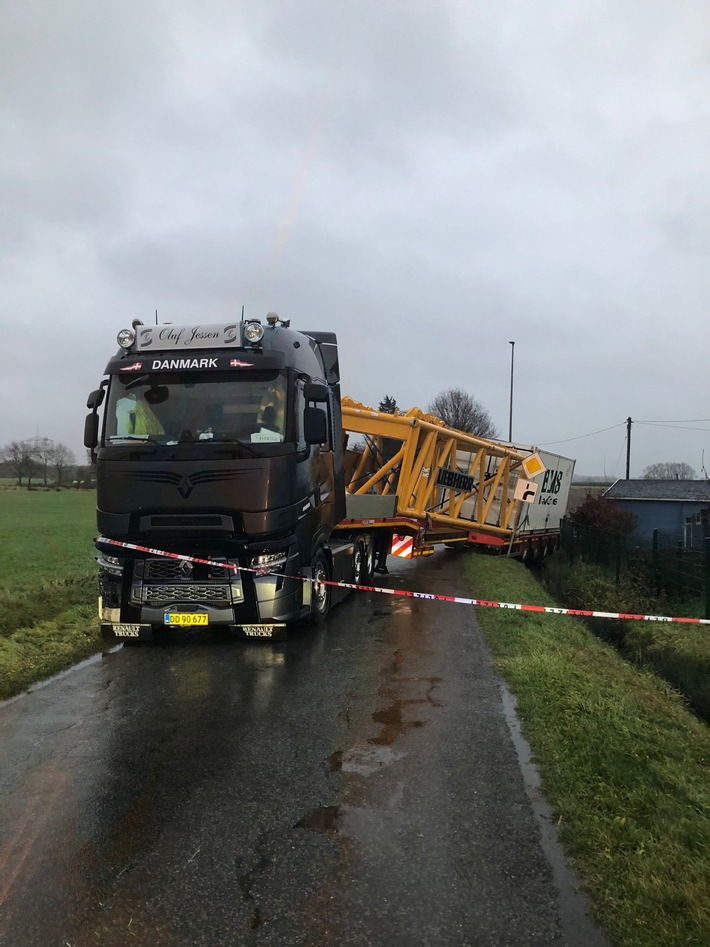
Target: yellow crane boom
[(453, 484)]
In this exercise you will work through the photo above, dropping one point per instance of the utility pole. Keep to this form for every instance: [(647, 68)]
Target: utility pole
[(512, 363), (628, 446)]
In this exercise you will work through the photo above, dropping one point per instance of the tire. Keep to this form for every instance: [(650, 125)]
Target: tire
[(369, 571), (320, 594), (359, 565)]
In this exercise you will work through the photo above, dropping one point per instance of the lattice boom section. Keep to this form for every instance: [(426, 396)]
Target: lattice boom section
[(436, 472)]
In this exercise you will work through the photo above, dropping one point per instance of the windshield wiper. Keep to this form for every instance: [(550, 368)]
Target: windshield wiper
[(144, 438), (247, 448)]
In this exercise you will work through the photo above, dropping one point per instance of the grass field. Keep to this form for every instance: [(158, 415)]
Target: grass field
[(48, 618)]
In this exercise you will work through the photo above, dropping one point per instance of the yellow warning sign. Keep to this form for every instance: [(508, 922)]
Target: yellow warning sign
[(533, 466)]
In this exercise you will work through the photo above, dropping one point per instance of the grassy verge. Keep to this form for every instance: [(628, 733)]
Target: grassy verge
[(679, 653), (48, 617), (624, 764)]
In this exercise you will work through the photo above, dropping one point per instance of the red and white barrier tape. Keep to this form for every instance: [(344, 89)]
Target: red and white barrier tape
[(576, 612)]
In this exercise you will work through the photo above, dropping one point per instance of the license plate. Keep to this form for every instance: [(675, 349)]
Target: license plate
[(186, 618), (127, 631)]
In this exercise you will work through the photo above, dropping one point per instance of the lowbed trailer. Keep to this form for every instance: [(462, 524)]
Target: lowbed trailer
[(226, 494), (417, 477)]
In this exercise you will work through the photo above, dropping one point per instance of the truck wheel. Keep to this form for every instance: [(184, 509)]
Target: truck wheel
[(320, 593)]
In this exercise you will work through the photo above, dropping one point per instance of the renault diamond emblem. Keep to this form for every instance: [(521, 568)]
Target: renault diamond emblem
[(185, 487)]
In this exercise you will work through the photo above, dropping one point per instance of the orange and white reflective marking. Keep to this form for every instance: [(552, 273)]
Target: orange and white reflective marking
[(430, 596), (402, 546)]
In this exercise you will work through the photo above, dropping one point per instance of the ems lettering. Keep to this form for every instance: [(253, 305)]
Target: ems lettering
[(552, 482)]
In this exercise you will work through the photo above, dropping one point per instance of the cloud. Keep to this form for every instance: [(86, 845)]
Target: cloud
[(429, 180)]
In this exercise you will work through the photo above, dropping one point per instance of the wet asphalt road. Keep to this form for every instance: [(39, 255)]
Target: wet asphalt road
[(356, 785)]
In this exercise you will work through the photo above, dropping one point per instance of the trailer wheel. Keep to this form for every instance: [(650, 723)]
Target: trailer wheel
[(369, 553), (320, 593), (359, 565)]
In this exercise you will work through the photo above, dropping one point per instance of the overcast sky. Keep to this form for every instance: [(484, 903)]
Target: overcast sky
[(429, 179)]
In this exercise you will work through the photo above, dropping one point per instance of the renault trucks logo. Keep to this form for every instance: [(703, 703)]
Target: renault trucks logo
[(185, 487)]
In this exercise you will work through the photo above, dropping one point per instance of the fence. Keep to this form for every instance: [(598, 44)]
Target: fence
[(681, 575)]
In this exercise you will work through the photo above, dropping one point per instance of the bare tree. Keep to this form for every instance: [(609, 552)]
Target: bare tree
[(669, 471), (42, 451), (61, 458), (19, 456), (458, 409)]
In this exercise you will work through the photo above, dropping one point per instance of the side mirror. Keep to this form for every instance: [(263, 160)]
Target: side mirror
[(91, 430), (315, 392), (315, 426), (95, 400)]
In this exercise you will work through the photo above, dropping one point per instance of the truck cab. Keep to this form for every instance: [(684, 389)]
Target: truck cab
[(219, 447)]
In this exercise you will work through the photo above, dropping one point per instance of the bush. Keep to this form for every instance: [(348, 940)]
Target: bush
[(603, 514)]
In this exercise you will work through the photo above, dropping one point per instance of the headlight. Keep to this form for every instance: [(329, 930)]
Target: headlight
[(253, 332), (268, 562), (110, 564), (126, 338)]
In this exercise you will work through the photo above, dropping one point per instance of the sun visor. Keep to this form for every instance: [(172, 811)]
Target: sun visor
[(141, 362)]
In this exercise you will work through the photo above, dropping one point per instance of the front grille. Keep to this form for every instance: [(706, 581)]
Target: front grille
[(181, 570), (164, 569), (208, 594)]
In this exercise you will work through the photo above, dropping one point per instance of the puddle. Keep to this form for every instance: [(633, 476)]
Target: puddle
[(364, 760), (325, 819)]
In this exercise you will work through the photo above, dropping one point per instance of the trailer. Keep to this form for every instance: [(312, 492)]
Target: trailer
[(236, 488), (417, 477)]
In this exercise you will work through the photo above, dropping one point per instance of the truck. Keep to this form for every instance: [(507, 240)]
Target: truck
[(236, 487)]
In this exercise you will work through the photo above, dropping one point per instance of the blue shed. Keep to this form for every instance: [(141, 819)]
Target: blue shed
[(678, 509)]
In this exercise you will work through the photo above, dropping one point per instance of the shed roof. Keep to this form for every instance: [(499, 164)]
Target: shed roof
[(697, 491)]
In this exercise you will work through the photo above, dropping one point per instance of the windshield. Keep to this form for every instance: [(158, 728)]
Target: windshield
[(172, 408)]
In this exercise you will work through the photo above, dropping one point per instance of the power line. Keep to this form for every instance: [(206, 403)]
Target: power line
[(675, 425), (581, 436), (681, 421)]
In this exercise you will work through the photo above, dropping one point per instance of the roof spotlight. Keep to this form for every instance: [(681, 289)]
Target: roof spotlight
[(126, 338), (253, 332)]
